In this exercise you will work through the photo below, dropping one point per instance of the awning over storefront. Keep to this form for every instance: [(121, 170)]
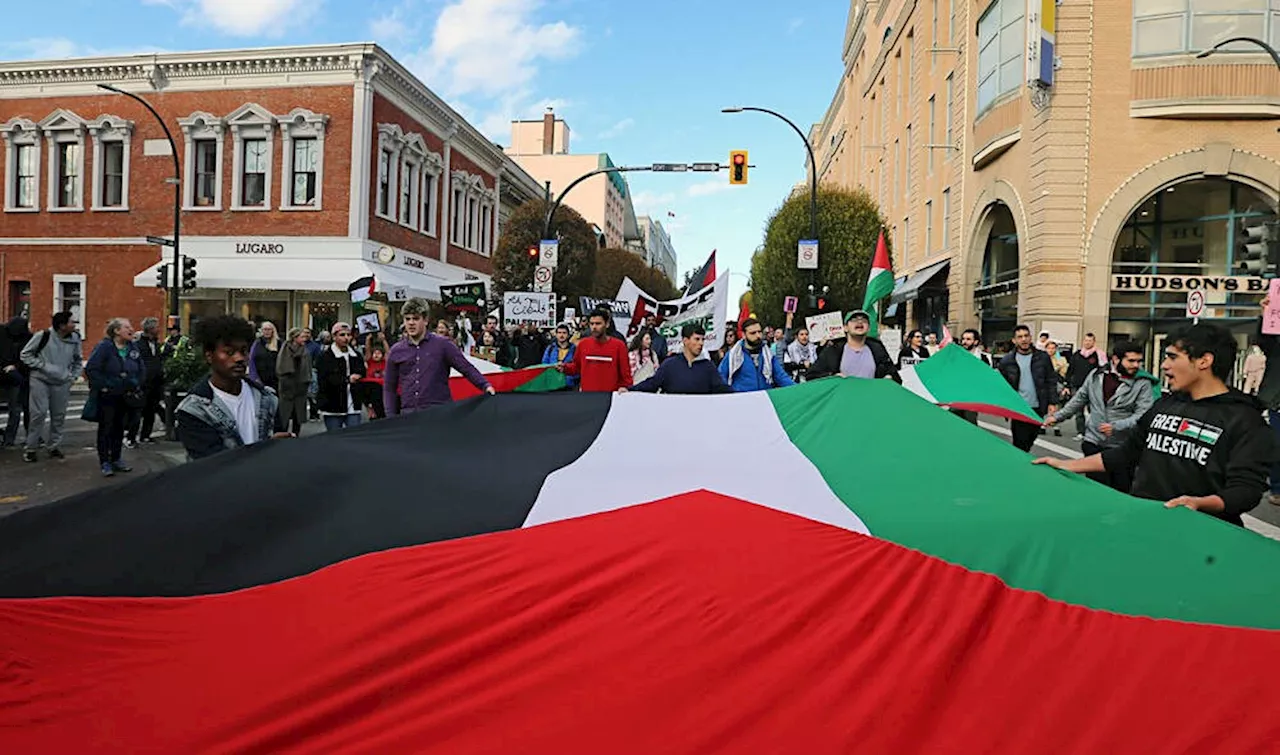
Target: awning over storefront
[(310, 275), (909, 289), (892, 309)]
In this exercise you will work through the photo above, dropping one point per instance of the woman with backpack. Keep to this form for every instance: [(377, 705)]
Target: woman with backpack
[(115, 373)]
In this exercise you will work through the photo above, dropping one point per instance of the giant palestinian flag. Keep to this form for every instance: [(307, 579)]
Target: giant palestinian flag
[(537, 379), (594, 573)]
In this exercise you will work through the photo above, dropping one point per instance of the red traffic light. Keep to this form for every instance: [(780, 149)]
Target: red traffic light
[(739, 158), (533, 251), (822, 304)]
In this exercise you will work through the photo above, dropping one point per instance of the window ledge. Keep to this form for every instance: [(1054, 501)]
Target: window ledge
[(201, 208), (22, 209), (387, 218), (995, 148), (300, 208), (111, 209), (66, 209), (1192, 109), (429, 234), (252, 208)]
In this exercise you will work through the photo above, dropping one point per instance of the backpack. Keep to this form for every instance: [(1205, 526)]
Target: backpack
[(44, 341)]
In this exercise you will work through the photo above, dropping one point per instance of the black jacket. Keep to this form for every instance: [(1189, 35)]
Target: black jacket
[(909, 353), (1042, 372), (1215, 446), (334, 381), (829, 361), (529, 348), (152, 359), (13, 337), (1079, 368)]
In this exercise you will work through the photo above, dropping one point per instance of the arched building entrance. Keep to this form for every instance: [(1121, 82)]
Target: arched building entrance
[(995, 296)]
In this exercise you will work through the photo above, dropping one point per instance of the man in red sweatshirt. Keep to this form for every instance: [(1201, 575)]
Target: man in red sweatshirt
[(601, 360)]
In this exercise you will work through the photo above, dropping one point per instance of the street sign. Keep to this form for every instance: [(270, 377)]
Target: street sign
[(706, 167), (1195, 304), (159, 241), (669, 167), (549, 253), (807, 254), (542, 279)]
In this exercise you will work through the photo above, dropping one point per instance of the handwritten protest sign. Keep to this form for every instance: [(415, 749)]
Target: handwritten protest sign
[(825, 327), (1271, 317), (520, 307)]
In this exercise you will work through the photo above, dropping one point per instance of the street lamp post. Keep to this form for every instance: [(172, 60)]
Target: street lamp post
[(813, 173), (175, 282)]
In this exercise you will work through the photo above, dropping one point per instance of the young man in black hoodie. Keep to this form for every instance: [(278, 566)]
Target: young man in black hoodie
[(1203, 445)]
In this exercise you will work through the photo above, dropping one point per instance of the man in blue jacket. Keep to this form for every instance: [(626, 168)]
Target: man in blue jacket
[(561, 352), (750, 365), (688, 373)]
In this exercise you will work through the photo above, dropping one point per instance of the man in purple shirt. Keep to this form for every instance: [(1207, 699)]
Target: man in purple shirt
[(417, 374)]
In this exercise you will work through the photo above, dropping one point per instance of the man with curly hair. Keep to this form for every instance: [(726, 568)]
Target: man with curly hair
[(228, 410)]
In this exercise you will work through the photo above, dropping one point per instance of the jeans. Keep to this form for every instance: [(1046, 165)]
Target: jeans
[(47, 401), (1024, 435), (113, 413), (16, 398), (338, 421)]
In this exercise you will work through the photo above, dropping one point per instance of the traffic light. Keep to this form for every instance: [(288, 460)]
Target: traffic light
[(533, 252), (822, 303), (188, 273), (162, 276), (738, 167), (1258, 248)]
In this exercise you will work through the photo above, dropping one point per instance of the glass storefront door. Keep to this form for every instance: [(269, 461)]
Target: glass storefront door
[(260, 310)]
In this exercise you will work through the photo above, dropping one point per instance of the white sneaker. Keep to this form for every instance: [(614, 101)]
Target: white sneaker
[(1078, 438)]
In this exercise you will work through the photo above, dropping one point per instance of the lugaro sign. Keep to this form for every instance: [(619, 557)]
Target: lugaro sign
[(1241, 284)]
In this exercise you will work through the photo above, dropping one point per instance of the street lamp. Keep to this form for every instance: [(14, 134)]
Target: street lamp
[(175, 286), (813, 167)]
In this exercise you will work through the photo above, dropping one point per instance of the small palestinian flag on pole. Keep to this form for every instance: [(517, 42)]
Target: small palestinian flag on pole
[(879, 284)]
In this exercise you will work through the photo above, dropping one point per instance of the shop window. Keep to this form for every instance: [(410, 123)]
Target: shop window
[(202, 176), (20, 299), (1170, 27), (302, 135), (1000, 51), (65, 131)]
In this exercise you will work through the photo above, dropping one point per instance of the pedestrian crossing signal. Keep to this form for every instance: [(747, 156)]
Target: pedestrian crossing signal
[(738, 167), (188, 273)]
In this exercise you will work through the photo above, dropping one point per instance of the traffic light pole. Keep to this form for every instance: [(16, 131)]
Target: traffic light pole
[(813, 174), (175, 286)]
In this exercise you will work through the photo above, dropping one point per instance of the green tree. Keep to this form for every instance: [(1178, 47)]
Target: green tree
[(612, 265), (849, 223), (513, 265)]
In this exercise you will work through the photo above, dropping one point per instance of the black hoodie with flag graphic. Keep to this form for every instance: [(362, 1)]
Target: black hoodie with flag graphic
[(1218, 445)]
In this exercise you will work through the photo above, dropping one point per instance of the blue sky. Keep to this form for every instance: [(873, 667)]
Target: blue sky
[(643, 80)]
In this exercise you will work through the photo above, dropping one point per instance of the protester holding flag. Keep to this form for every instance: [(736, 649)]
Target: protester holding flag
[(417, 375), (1204, 445), (687, 373), (858, 356), (560, 352), (750, 365), (1029, 372), (601, 360)]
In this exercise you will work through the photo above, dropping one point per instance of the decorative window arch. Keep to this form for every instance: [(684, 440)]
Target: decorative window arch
[(302, 164), (253, 142), (202, 157), (65, 131), (21, 165), (112, 139), (429, 195)]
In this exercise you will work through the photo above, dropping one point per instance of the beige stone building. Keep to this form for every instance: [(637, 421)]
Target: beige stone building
[(1069, 165), (541, 148)]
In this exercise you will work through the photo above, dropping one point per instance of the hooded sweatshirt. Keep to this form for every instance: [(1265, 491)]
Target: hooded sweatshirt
[(59, 362), (1215, 446)]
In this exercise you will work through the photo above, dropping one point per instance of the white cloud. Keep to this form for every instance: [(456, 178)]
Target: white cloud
[(653, 203), (390, 28), (709, 187), (795, 25), (617, 128), (491, 47), (243, 18)]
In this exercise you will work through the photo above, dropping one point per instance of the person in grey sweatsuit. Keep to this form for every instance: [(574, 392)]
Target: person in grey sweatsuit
[(55, 359), (1117, 397)]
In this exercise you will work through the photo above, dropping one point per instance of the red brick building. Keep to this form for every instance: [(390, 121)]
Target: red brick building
[(303, 169)]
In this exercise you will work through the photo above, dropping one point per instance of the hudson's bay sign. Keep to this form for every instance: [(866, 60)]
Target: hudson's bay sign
[(1244, 284)]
